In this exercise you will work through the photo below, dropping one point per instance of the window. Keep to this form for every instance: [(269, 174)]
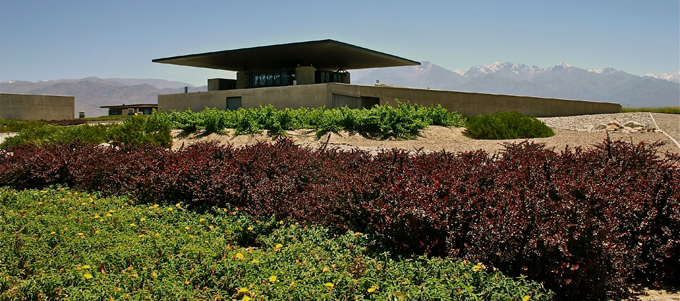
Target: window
[(271, 79), (328, 77)]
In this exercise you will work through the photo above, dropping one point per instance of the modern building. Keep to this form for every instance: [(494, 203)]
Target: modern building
[(30, 106), (315, 74), (143, 109)]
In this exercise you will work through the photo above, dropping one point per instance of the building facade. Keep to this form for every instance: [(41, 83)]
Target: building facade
[(315, 74)]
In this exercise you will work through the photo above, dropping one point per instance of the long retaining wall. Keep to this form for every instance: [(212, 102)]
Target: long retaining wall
[(318, 95), (27, 107)]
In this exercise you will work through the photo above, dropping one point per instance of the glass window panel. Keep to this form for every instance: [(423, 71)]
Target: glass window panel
[(270, 79), (284, 79), (277, 79)]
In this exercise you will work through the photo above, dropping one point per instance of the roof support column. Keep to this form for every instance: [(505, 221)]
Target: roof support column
[(305, 75), (345, 78), (244, 79)]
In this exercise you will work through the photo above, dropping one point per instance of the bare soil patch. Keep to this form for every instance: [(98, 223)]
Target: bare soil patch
[(432, 139)]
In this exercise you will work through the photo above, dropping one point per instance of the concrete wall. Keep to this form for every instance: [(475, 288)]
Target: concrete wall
[(318, 95), (27, 107), (294, 97), (470, 104)]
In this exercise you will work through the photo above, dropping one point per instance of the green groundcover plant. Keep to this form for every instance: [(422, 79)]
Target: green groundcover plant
[(63, 244), (506, 125), (666, 110)]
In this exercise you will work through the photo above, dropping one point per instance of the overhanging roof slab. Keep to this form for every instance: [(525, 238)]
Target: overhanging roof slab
[(323, 54)]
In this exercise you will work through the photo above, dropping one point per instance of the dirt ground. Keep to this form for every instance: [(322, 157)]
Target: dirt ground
[(434, 138)]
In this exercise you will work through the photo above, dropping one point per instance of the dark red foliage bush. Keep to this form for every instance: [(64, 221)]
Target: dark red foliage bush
[(588, 223), (65, 122)]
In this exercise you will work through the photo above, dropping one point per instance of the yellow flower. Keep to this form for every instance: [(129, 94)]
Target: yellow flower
[(96, 216), (272, 279), (88, 276), (201, 220), (358, 234), (133, 225), (250, 228), (142, 219), (85, 267), (245, 298), (141, 235), (243, 290), (239, 256), (80, 234), (279, 246), (326, 269), (154, 275), (292, 284), (169, 209), (109, 215), (255, 261), (281, 223), (372, 289), (178, 205), (328, 285), (186, 228), (53, 233), (155, 205), (526, 298)]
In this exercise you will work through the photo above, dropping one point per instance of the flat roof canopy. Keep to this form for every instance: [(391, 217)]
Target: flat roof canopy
[(323, 54)]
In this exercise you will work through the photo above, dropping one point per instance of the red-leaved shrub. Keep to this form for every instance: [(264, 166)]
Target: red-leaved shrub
[(587, 223)]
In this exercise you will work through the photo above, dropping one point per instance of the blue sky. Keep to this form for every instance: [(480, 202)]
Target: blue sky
[(50, 39)]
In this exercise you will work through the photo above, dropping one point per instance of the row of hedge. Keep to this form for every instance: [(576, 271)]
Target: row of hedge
[(588, 223), (401, 121)]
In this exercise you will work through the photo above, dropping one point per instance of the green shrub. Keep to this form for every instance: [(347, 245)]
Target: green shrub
[(137, 130), (51, 134), (10, 126), (402, 121), (64, 244), (506, 125)]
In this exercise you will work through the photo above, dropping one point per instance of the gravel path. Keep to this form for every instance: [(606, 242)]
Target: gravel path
[(669, 123), (587, 123)]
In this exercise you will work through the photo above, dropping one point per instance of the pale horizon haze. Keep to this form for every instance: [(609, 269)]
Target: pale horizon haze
[(49, 40)]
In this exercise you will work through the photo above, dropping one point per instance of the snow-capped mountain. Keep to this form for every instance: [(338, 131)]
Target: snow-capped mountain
[(559, 81), (672, 77)]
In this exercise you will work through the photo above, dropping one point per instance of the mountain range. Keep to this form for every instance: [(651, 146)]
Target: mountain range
[(559, 81), (92, 92)]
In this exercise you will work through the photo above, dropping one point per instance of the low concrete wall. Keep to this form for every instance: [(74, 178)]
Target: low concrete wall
[(318, 95), (471, 104), (27, 107)]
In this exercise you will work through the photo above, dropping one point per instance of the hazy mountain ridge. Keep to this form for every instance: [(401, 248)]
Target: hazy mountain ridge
[(559, 81), (92, 92)]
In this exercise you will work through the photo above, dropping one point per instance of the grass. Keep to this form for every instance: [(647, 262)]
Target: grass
[(64, 244), (106, 118), (667, 110)]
